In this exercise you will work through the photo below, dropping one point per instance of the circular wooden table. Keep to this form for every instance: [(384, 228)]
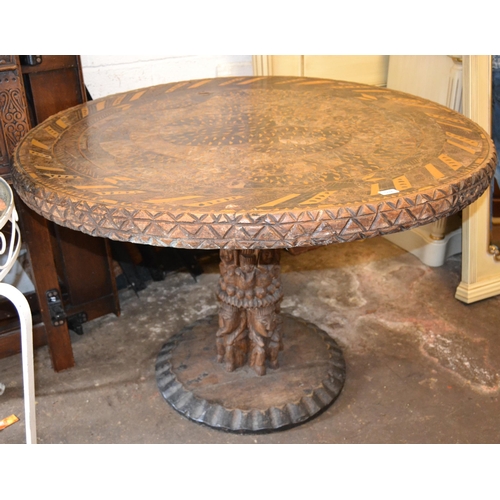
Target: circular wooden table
[(250, 166)]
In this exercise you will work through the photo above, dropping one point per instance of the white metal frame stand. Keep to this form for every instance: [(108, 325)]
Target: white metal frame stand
[(8, 213)]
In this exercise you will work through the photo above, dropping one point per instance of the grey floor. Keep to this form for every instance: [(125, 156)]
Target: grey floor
[(422, 367)]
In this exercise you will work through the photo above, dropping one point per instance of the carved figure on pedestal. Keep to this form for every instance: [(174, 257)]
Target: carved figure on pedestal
[(268, 281), (264, 328), (249, 294), (227, 266), (269, 274), (231, 337), (245, 277)]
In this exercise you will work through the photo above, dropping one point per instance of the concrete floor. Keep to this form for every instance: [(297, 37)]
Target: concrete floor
[(422, 367)]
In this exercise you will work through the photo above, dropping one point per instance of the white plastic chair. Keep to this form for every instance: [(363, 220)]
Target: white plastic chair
[(8, 213)]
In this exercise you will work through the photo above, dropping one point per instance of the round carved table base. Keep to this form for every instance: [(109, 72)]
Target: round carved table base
[(310, 377)]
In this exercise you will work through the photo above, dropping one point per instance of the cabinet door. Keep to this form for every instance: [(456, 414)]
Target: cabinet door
[(52, 85)]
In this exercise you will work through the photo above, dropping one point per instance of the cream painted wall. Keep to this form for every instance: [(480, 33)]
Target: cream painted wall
[(105, 75), (355, 68)]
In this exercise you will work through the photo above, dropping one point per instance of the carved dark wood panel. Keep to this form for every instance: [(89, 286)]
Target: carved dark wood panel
[(14, 121)]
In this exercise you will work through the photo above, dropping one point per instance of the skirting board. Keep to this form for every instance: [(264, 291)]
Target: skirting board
[(431, 252)]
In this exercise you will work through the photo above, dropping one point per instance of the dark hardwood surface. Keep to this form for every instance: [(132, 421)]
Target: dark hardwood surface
[(262, 162)]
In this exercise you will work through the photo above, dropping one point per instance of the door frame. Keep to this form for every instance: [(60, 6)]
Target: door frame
[(480, 269)]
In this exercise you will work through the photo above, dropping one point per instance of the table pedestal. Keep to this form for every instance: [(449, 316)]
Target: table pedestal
[(251, 368)]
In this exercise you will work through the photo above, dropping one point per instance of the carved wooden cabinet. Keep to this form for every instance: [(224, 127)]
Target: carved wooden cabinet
[(72, 272), (13, 108)]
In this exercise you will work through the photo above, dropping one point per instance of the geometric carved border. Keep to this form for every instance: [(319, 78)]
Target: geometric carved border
[(247, 231)]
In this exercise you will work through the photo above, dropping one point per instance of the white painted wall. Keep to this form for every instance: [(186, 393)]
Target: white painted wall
[(105, 75)]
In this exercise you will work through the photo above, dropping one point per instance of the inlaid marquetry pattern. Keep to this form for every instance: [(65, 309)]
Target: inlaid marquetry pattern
[(253, 162)]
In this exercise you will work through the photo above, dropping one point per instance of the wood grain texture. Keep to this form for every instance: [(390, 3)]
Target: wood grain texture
[(311, 377), (261, 162)]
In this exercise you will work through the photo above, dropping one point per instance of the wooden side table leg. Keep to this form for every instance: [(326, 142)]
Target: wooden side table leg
[(439, 229), (36, 236)]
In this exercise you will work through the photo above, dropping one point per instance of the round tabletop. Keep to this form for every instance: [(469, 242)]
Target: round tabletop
[(252, 162)]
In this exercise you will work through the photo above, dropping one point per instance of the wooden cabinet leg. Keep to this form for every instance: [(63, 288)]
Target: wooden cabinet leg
[(36, 236)]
